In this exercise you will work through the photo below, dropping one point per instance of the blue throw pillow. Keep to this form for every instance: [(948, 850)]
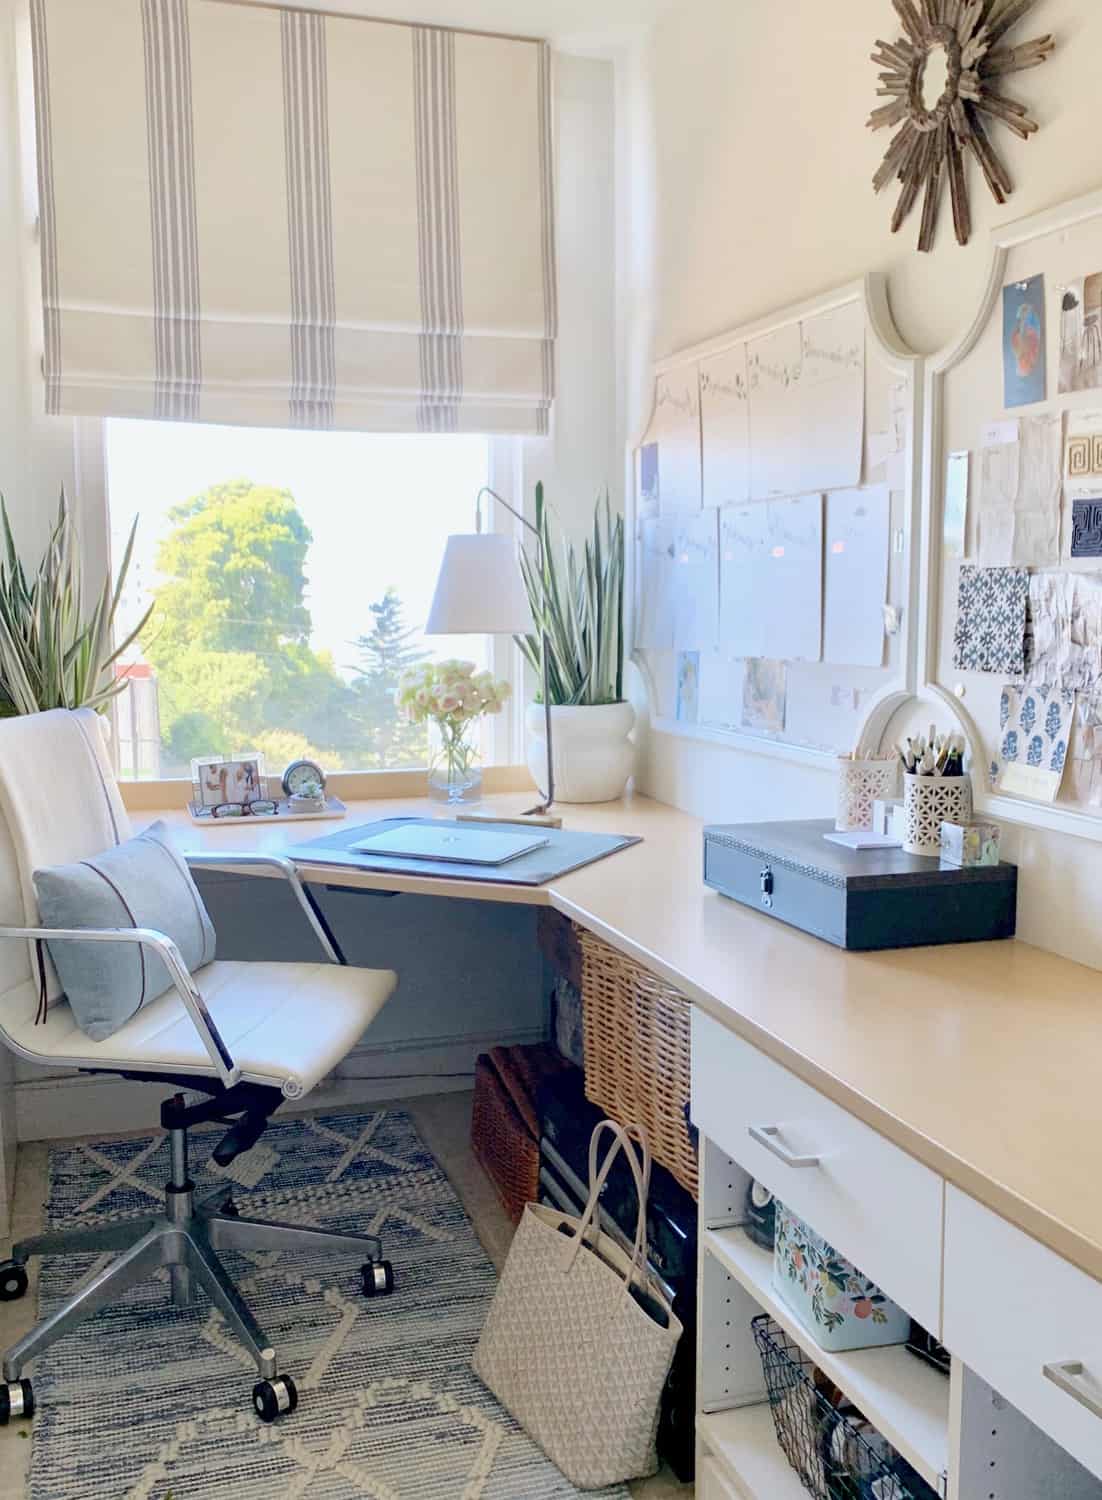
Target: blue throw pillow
[(141, 883)]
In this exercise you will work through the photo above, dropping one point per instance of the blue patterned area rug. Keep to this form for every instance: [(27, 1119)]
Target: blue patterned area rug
[(147, 1402)]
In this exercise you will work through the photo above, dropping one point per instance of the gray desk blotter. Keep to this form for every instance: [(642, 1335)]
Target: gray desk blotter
[(565, 851)]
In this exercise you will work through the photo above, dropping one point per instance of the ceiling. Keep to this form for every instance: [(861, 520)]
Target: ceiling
[(597, 26)]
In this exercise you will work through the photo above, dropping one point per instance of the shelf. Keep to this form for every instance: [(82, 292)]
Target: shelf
[(904, 1399), (745, 1444)]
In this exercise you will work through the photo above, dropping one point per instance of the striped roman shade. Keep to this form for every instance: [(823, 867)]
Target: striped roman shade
[(259, 215)]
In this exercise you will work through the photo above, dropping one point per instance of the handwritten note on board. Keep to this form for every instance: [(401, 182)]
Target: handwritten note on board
[(676, 429), (725, 426)]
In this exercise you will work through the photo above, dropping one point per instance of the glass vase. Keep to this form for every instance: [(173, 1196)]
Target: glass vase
[(455, 776)]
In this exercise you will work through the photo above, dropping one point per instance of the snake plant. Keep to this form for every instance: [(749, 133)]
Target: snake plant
[(54, 653), (579, 602)]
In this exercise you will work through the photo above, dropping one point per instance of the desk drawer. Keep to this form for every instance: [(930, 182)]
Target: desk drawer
[(1014, 1309), (873, 1202)]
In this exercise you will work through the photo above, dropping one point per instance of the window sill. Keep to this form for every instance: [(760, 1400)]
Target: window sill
[(349, 786)]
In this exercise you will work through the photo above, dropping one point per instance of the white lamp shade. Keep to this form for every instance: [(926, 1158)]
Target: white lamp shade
[(480, 590)]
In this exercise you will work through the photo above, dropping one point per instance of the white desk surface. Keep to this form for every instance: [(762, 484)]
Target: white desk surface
[(983, 1060)]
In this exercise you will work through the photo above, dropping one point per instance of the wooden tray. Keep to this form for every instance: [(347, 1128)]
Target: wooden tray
[(334, 808)]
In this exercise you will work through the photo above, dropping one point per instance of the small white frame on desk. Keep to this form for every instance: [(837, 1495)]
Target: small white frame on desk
[(894, 683), (964, 391)]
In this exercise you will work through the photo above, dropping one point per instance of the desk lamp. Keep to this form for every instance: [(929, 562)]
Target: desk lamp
[(480, 591)]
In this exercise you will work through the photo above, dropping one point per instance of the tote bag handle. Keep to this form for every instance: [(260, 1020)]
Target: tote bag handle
[(624, 1140)]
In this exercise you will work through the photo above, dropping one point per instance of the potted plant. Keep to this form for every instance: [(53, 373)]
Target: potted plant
[(453, 696), (53, 653), (578, 602)]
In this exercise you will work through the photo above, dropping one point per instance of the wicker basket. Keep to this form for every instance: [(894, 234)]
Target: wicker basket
[(505, 1127), (637, 1053)]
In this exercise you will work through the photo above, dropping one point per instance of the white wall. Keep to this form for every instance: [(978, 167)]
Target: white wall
[(583, 455), (753, 168), (35, 451)]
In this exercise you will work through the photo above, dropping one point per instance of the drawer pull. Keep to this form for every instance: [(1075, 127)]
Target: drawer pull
[(1068, 1377), (769, 1137)]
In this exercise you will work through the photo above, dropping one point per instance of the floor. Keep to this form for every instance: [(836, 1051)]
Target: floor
[(444, 1123)]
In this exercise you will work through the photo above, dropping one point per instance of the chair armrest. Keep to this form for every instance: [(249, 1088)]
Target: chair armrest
[(186, 988), (289, 871)]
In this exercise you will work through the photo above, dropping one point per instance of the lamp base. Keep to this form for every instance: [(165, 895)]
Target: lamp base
[(523, 820)]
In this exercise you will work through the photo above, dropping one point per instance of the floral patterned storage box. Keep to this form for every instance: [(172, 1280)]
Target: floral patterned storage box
[(839, 1307)]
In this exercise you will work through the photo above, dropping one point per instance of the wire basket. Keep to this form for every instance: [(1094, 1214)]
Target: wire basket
[(835, 1458)]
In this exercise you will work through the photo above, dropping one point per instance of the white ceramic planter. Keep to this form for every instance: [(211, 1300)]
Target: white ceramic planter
[(593, 755)]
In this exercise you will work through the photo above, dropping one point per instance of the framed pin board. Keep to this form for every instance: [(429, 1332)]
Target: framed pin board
[(776, 530), (1012, 621)]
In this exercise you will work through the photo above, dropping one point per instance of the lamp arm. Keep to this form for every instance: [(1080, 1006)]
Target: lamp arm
[(545, 652), (493, 494)]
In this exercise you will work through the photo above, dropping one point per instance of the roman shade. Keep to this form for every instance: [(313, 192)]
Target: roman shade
[(270, 216)]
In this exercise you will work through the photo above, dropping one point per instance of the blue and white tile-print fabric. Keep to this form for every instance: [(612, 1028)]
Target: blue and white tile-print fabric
[(991, 620), (146, 1400)]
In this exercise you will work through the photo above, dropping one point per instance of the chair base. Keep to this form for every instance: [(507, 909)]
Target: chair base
[(185, 1239)]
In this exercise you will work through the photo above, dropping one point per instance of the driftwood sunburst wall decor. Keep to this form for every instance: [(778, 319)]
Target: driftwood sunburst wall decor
[(943, 80)]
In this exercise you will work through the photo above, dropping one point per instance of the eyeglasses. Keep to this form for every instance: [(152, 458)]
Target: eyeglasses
[(260, 809)]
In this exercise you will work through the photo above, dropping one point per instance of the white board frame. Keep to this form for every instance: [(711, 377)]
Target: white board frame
[(936, 610), (889, 349)]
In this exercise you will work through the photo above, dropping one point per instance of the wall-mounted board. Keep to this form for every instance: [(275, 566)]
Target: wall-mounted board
[(1013, 490), (773, 604)]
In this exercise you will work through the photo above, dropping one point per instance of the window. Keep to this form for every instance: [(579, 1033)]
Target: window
[(291, 573)]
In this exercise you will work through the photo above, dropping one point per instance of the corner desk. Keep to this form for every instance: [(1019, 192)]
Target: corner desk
[(952, 1099)]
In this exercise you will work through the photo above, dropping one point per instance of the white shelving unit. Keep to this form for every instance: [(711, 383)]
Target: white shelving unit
[(906, 1400), (744, 1442)]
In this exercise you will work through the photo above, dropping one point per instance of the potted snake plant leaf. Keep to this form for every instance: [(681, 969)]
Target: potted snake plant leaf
[(54, 652), (577, 600)]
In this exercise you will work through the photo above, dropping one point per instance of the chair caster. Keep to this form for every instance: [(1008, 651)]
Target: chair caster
[(230, 1210), (13, 1280), (274, 1398), (16, 1401), (378, 1278)]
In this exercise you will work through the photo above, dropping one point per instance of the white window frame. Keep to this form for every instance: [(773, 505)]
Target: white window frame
[(505, 476)]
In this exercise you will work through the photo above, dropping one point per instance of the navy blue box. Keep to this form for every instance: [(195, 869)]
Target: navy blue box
[(862, 899)]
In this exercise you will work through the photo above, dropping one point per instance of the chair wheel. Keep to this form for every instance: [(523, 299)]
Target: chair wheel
[(13, 1280), (16, 1401), (378, 1278), (275, 1398), (230, 1209)]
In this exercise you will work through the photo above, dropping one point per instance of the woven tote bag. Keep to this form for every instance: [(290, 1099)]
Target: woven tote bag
[(578, 1341)]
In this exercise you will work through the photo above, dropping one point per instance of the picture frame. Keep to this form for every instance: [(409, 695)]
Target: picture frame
[(217, 779)]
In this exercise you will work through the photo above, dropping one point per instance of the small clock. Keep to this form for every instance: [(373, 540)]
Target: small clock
[(301, 774)]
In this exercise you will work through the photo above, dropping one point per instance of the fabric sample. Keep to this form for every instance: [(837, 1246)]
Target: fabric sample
[(141, 883), (991, 617), (1086, 528), (1035, 726)]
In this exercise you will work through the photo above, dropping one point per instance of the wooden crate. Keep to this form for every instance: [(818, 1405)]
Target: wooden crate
[(638, 1053)]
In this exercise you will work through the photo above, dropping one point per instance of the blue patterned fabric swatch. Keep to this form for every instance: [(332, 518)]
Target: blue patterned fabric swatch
[(991, 617)]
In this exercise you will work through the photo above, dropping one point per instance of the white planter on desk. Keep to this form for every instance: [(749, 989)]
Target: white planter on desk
[(593, 755)]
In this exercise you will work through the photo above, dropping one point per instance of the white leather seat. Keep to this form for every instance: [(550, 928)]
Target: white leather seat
[(285, 1024)]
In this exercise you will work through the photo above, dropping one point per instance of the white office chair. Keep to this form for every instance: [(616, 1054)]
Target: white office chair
[(247, 1035)]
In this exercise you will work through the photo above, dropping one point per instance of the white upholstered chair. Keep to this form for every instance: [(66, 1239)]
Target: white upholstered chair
[(246, 1035)]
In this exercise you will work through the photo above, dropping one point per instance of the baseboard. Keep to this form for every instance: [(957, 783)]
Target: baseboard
[(79, 1104)]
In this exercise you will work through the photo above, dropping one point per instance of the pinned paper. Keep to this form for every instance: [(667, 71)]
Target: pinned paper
[(997, 434), (955, 512), (856, 584), (1019, 496)]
